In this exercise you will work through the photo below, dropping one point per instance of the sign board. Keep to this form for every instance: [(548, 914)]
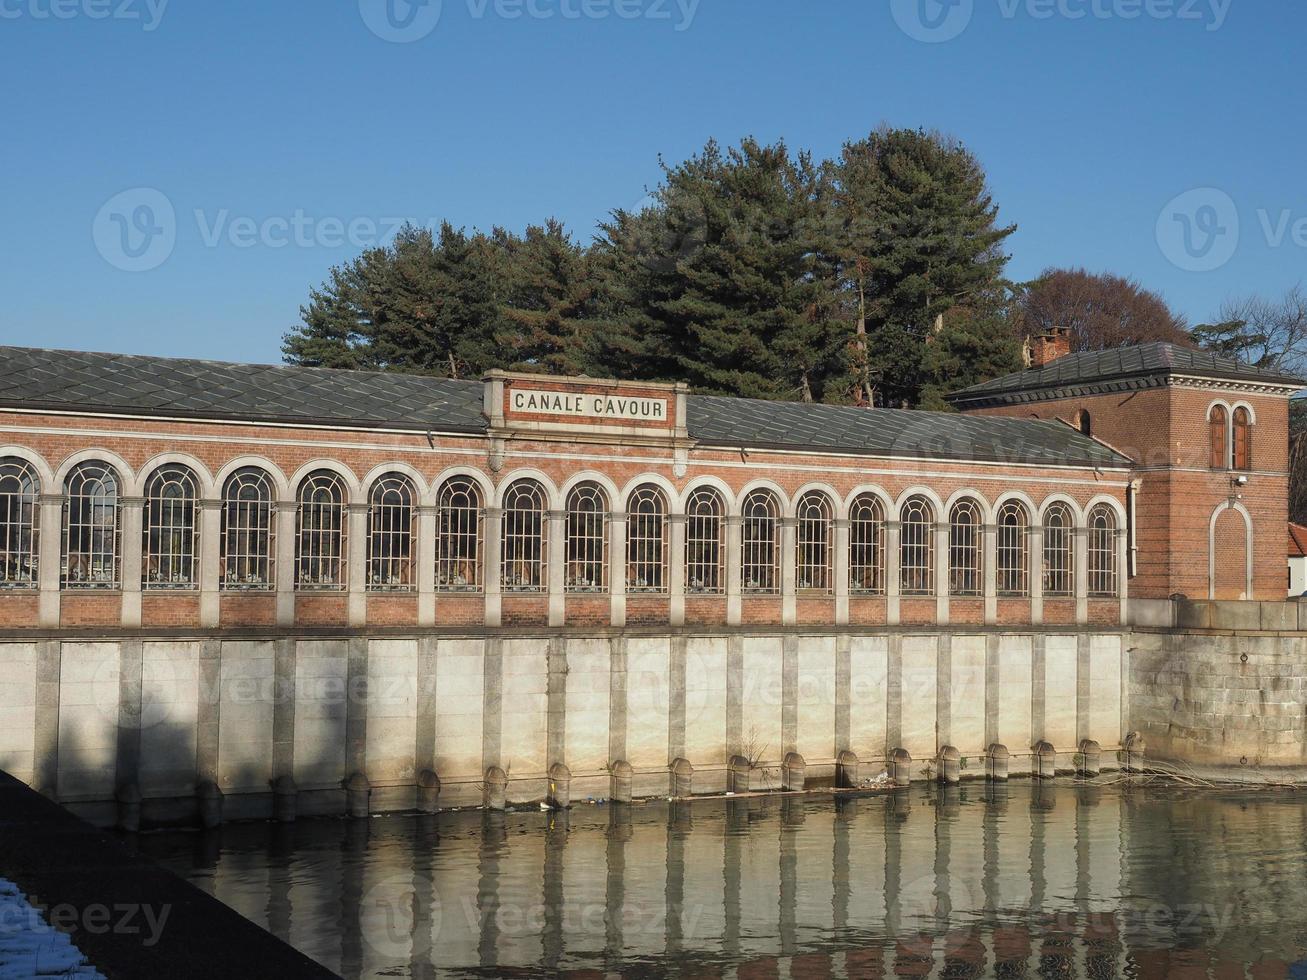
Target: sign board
[(618, 407)]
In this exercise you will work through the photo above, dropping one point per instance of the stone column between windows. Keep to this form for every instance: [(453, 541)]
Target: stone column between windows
[(356, 564), (492, 550), (1035, 569), (556, 567), (426, 564), (676, 569), (733, 557), (789, 562), (51, 544), (617, 568), (210, 562), (840, 569), (941, 574), (989, 568), (285, 571), (1123, 571), (893, 572), (132, 568), (1082, 575)]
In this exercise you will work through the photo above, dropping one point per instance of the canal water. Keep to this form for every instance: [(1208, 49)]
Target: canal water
[(1057, 879)]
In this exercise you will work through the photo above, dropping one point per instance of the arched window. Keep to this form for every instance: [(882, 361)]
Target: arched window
[(814, 540), (704, 513), (91, 527), (1085, 422), (1013, 550), (917, 547), (1243, 439), (646, 541), (867, 546), (392, 535), (1059, 527), (20, 494), (524, 538), (320, 564), (171, 546), (1102, 552), (965, 549), (1217, 425), (760, 552), (248, 531), (459, 516), (587, 539)]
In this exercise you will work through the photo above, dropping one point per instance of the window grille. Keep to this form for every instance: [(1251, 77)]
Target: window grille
[(917, 548), (646, 542), (524, 538), (458, 545), (1013, 550), (248, 531), (1217, 421), (1059, 574), (392, 535), (760, 552), (704, 524), (1243, 440), (814, 540), (171, 546), (320, 533), (867, 546), (1102, 553), (587, 540), (91, 528), (20, 523), (965, 549)]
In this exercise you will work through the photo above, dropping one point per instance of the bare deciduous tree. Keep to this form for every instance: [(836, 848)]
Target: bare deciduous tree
[(1270, 332), (1101, 310)]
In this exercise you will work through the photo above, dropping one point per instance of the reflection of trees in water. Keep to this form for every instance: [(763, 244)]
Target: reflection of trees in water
[(1017, 879)]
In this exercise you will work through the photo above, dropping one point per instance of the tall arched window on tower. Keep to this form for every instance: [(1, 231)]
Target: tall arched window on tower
[(248, 531), (646, 541), (320, 564), (1085, 422), (867, 546), (704, 523), (1243, 439), (1013, 550), (171, 546), (1217, 426), (1102, 553), (917, 547), (392, 535), (20, 494), (524, 539), (1059, 529), (760, 571), (91, 527), (587, 539), (814, 540), (965, 549), (458, 536)]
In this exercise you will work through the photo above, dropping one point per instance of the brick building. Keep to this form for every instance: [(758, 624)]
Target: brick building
[(155, 493)]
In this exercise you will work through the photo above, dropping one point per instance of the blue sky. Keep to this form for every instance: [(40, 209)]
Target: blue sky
[(294, 128)]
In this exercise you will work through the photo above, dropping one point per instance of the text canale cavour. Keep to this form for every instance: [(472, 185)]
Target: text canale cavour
[(588, 406)]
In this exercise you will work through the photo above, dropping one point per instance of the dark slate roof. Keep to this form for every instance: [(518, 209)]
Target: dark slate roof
[(1157, 360), (138, 385), (890, 432), (61, 380)]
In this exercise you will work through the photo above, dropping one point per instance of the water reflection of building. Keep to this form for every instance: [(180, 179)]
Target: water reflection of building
[(1018, 880)]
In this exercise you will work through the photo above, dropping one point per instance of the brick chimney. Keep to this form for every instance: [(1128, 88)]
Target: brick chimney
[(1048, 347)]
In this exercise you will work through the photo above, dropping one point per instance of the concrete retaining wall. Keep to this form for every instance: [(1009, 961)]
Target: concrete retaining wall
[(81, 719)]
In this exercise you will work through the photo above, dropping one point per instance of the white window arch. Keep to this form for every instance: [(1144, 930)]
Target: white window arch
[(867, 545), (705, 549), (646, 541), (760, 572), (91, 557), (1059, 556), (320, 533), (458, 536), (20, 524), (248, 531), (814, 543), (392, 535), (171, 545), (966, 548), (1013, 553), (524, 539), (1102, 552), (587, 539), (917, 547)]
